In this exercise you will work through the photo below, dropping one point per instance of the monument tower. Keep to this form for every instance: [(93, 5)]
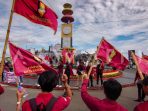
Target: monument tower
[(66, 34)]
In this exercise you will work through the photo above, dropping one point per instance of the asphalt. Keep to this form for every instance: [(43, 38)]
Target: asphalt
[(8, 99)]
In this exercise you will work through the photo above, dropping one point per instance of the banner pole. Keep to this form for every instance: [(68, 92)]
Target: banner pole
[(6, 40), (93, 61)]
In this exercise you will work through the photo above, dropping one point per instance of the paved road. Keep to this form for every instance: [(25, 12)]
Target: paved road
[(127, 78), (8, 99)]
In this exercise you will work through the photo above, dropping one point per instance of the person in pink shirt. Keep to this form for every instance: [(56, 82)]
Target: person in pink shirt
[(46, 101), (112, 90), (144, 105)]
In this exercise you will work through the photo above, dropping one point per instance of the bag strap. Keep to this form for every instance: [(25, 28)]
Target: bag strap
[(33, 104), (51, 103)]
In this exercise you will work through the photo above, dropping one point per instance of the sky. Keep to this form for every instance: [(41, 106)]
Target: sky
[(123, 23)]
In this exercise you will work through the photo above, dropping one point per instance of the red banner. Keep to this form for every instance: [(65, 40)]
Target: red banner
[(145, 57), (68, 56), (37, 12), (143, 64), (25, 62), (107, 53)]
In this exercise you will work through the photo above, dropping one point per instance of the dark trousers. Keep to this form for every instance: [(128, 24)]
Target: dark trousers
[(91, 81), (21, 79), (141, 94), (99, 75), (59, 79), (68, 81), (3, 77)]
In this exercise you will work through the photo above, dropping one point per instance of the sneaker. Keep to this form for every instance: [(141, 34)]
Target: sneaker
[(37, 85), (60, 85)]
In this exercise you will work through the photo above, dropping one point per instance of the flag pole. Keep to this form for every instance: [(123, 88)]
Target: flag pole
[(93, 61), (138, 68), (7, 38)]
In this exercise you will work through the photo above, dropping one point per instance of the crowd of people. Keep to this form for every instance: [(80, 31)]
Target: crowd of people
[(80, 70), (46, 101)]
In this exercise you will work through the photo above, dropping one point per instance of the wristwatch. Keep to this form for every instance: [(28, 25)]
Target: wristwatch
[(18, 103)]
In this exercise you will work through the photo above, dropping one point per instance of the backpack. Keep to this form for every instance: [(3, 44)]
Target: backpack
[(48, 107)]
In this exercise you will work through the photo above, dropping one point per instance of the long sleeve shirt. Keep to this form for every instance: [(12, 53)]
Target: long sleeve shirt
[(142, 106), (96, 104), (60, 104)]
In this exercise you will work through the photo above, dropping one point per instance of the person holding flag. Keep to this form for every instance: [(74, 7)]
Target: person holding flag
[(46, 100), (143, 106), (141, 94), (142, 71), (111, 85), (107, 104)]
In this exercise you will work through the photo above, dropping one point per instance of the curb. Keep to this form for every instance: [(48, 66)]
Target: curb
[(62, 88)]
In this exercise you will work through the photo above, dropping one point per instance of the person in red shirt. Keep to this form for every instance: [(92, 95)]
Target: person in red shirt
[(143, 106), (80, 71), (47, 80), (141, 94), (91, 74), (99, 72), (68, 71), (60, 72), (1, 90), (112, 90)]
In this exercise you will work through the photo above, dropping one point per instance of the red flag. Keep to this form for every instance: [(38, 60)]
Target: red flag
[(25, 62), (37, 12), (107, 53), (143, 64), (145, 56)]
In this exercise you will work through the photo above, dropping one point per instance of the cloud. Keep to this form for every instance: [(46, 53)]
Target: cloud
[(93, 20)]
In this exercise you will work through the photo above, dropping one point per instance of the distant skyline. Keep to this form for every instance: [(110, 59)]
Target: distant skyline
[(123, 23)]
